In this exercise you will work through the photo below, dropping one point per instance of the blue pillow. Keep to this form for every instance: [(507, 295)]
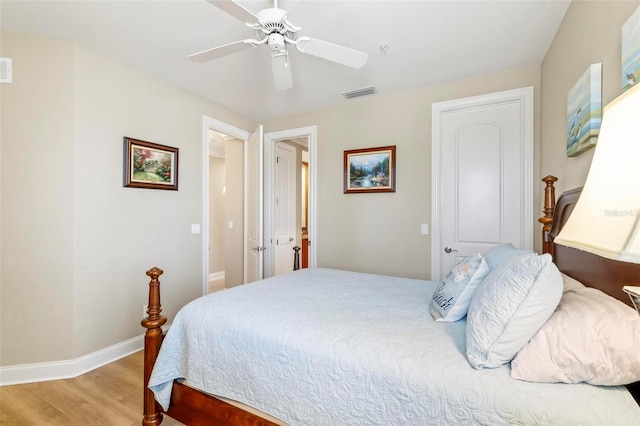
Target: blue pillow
[(452, 297), (501, 253), (510, 306)]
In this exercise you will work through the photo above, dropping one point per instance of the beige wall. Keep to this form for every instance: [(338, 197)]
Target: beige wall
[(590, 33), (75, 243), (217, 215), (380, 233), (234, 209), (38, 161)]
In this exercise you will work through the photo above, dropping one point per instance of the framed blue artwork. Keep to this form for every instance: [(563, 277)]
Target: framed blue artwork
[(631, 51), (584, 111)]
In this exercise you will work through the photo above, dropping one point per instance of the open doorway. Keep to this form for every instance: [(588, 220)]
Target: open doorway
[(291, 205), (224, 199), (237, 264), (226, 211), (302, 208)]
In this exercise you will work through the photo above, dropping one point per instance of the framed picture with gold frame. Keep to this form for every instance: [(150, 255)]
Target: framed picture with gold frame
[(370, 170)]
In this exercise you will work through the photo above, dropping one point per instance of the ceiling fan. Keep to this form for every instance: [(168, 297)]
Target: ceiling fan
[(272, 28)]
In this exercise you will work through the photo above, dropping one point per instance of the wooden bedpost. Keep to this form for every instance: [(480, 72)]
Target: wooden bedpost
[(549, 208), (152, 341)]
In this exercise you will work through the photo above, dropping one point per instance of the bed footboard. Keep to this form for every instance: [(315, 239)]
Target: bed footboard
[(152, 341)]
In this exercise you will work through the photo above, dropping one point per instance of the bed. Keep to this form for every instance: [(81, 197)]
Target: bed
[(391, 364)]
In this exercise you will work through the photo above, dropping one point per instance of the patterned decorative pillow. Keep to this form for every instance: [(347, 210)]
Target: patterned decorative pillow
[(591, 337), (502, 253), (510, 306), (452, 297)]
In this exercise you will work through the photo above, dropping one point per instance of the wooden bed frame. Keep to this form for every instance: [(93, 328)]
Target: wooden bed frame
[(192, 407)]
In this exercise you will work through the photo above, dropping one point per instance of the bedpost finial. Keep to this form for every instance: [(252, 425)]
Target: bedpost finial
[(155, 272), (154, 308)]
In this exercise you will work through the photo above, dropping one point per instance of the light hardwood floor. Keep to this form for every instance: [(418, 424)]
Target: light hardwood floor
[(109, 395), (216, 285)]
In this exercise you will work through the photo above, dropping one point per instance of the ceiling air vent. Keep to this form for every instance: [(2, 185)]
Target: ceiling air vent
[(360, 92)]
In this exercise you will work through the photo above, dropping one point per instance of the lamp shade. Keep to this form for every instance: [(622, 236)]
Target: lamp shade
[(605, 220)]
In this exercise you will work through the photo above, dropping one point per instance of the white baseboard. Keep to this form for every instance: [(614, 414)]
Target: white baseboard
[(216, 275), (57, 370)]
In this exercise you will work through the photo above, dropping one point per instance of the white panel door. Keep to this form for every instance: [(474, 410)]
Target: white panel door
[(482, 176), (285, 207), (254, 235)]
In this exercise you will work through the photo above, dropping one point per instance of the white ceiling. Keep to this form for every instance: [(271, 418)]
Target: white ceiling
[(430, 42)]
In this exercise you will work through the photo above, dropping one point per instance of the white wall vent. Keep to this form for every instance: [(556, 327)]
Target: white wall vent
[(360, 92), (5, 70)]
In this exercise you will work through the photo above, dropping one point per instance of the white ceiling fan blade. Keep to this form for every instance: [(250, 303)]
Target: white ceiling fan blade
[(281, 70), (332, 52), (220, 51), (235, 10)]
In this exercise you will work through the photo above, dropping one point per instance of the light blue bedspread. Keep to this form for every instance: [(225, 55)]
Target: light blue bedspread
[(328, 347)]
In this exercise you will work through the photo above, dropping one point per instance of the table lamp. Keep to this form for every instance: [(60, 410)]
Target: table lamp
[(606, 218), (634, 294)]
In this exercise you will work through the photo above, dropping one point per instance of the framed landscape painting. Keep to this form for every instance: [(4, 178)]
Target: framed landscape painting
[(150, 165), (630, 50), (584, 111), (370, 170)]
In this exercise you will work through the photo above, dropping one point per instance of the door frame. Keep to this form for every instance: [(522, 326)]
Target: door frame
[(212, 123), (270, 139), (523, 96)]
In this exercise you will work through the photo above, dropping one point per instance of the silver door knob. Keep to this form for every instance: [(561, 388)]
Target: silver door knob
[(448, 250)]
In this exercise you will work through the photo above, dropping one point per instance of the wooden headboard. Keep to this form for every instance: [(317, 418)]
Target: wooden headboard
[(592, 270)]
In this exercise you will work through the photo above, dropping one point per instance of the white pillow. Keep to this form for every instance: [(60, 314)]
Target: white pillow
[(451, 299), (591, 337), (569, 283), (502, 253), (509, 307)]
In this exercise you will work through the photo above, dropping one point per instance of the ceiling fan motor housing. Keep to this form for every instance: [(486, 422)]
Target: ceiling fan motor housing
[(276, 41)]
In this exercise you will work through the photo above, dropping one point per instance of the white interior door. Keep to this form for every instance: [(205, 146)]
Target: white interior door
[(285, 206), (254, 235), (482, 176)]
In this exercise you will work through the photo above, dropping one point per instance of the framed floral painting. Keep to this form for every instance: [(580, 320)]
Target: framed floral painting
[(150, 165)]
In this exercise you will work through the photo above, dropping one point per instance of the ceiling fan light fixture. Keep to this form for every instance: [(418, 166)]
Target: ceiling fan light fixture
[(365, 91), (276, 41)]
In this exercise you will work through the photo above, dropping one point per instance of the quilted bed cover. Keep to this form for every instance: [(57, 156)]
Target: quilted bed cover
[(329, 347)]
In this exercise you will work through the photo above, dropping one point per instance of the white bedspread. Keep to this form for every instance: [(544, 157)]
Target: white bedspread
[(328, 347)]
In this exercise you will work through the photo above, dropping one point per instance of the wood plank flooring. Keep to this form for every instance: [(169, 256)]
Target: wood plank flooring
[(110, 395)]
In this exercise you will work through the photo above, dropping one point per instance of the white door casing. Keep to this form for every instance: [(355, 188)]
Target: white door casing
[(482, 176), (285, 207), (254, 202)]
